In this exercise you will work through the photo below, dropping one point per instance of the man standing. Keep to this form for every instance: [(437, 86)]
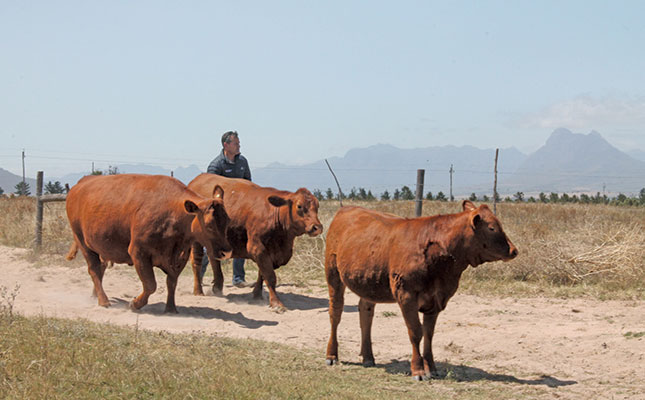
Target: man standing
[(231, 164)]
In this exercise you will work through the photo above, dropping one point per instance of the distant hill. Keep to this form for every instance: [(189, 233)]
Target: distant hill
[(184, 174), (573, 162), (385, 167), (637, 154), (568, 162), (8, 182)]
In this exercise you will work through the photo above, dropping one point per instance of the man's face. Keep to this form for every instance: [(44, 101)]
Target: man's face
[(232, 147)]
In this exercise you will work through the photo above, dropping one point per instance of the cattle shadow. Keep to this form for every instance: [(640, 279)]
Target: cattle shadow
[(465, 373), (195, 312), (292, 301)]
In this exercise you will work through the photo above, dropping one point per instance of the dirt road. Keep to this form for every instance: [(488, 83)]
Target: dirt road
[(567, 348)]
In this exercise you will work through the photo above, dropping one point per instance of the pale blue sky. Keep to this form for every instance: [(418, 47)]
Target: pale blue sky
[(159, 82)]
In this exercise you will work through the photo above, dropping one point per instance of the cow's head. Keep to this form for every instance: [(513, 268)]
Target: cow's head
[(302, 211), (210, 222), (489, 242)]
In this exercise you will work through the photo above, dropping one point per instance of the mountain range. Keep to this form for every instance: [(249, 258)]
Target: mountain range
[(568, 162)]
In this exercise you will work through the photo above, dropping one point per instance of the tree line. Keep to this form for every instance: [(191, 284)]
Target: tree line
[(405, 193)]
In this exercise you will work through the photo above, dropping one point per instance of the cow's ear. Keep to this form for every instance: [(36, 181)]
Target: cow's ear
[(218, 192), (468, 205), (191, 207), (475, 219), (277, 201)]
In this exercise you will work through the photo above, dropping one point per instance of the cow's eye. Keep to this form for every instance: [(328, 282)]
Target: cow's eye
[(299, 207), (491, 229)]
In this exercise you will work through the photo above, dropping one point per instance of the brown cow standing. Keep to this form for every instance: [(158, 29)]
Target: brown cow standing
[(416, 262), (145, 220), (264, 223)]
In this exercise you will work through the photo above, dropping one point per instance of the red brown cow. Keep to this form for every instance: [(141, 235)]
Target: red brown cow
[(145, 221), (264, 223), (416, 263)]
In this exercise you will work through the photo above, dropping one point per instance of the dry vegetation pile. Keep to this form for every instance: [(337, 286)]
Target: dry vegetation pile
[(594, 249)]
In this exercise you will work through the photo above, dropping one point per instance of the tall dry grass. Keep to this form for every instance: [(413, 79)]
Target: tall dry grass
[(590, 249)]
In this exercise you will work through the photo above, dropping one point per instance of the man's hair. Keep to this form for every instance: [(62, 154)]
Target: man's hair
[(228, 135)]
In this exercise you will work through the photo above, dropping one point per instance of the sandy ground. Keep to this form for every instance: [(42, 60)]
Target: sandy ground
[(562, 348)]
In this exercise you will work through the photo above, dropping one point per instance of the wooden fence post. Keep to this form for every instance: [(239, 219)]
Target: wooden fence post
[(495, 184), (419, 197), (39, 212)]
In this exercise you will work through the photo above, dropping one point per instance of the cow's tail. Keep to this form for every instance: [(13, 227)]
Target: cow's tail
[(71, 254), (340, 192)]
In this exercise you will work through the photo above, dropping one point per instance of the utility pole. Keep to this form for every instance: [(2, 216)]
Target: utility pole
[(23, 167), (451, 171)]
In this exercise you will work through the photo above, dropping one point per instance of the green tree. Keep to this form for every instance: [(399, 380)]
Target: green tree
[(406, 193), (485, 198), (370, 196), (318, 194), (385, 196), (641, 196), (396, 195), (441, 197), (429, 196), (329, 193), (352, 194), (112, 170), (1, 191), (362, 194), (54, 188), (519, 197), (554, 198), (543, 198), (22, 189), (565, 198), (473, 197)]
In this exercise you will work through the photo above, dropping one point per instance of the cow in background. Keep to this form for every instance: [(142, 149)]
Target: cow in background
[(416, 263), (146, 221), (264, 223)]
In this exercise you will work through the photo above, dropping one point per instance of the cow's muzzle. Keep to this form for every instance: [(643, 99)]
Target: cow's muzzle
[(315, 230)]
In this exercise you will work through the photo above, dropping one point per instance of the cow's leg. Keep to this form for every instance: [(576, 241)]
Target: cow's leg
[(336, 304), (271, 280), (218, 277), (96, 270), (429, 321), (104, 265), (366, 313), (409, 309), (257, 286), (143, 266), (197, 254), (171, 282)]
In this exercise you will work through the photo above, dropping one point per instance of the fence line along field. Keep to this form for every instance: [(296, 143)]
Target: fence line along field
[(563, 319)]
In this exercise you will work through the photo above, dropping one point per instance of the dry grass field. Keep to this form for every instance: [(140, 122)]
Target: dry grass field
[(558, 321), (565, 249)]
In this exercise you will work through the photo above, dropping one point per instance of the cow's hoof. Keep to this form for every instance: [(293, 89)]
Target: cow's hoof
[(418, 378), (171, 311), (331, 361), (368, 363), (133, 307), (197, 293), (218, 292), (279, 309)]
